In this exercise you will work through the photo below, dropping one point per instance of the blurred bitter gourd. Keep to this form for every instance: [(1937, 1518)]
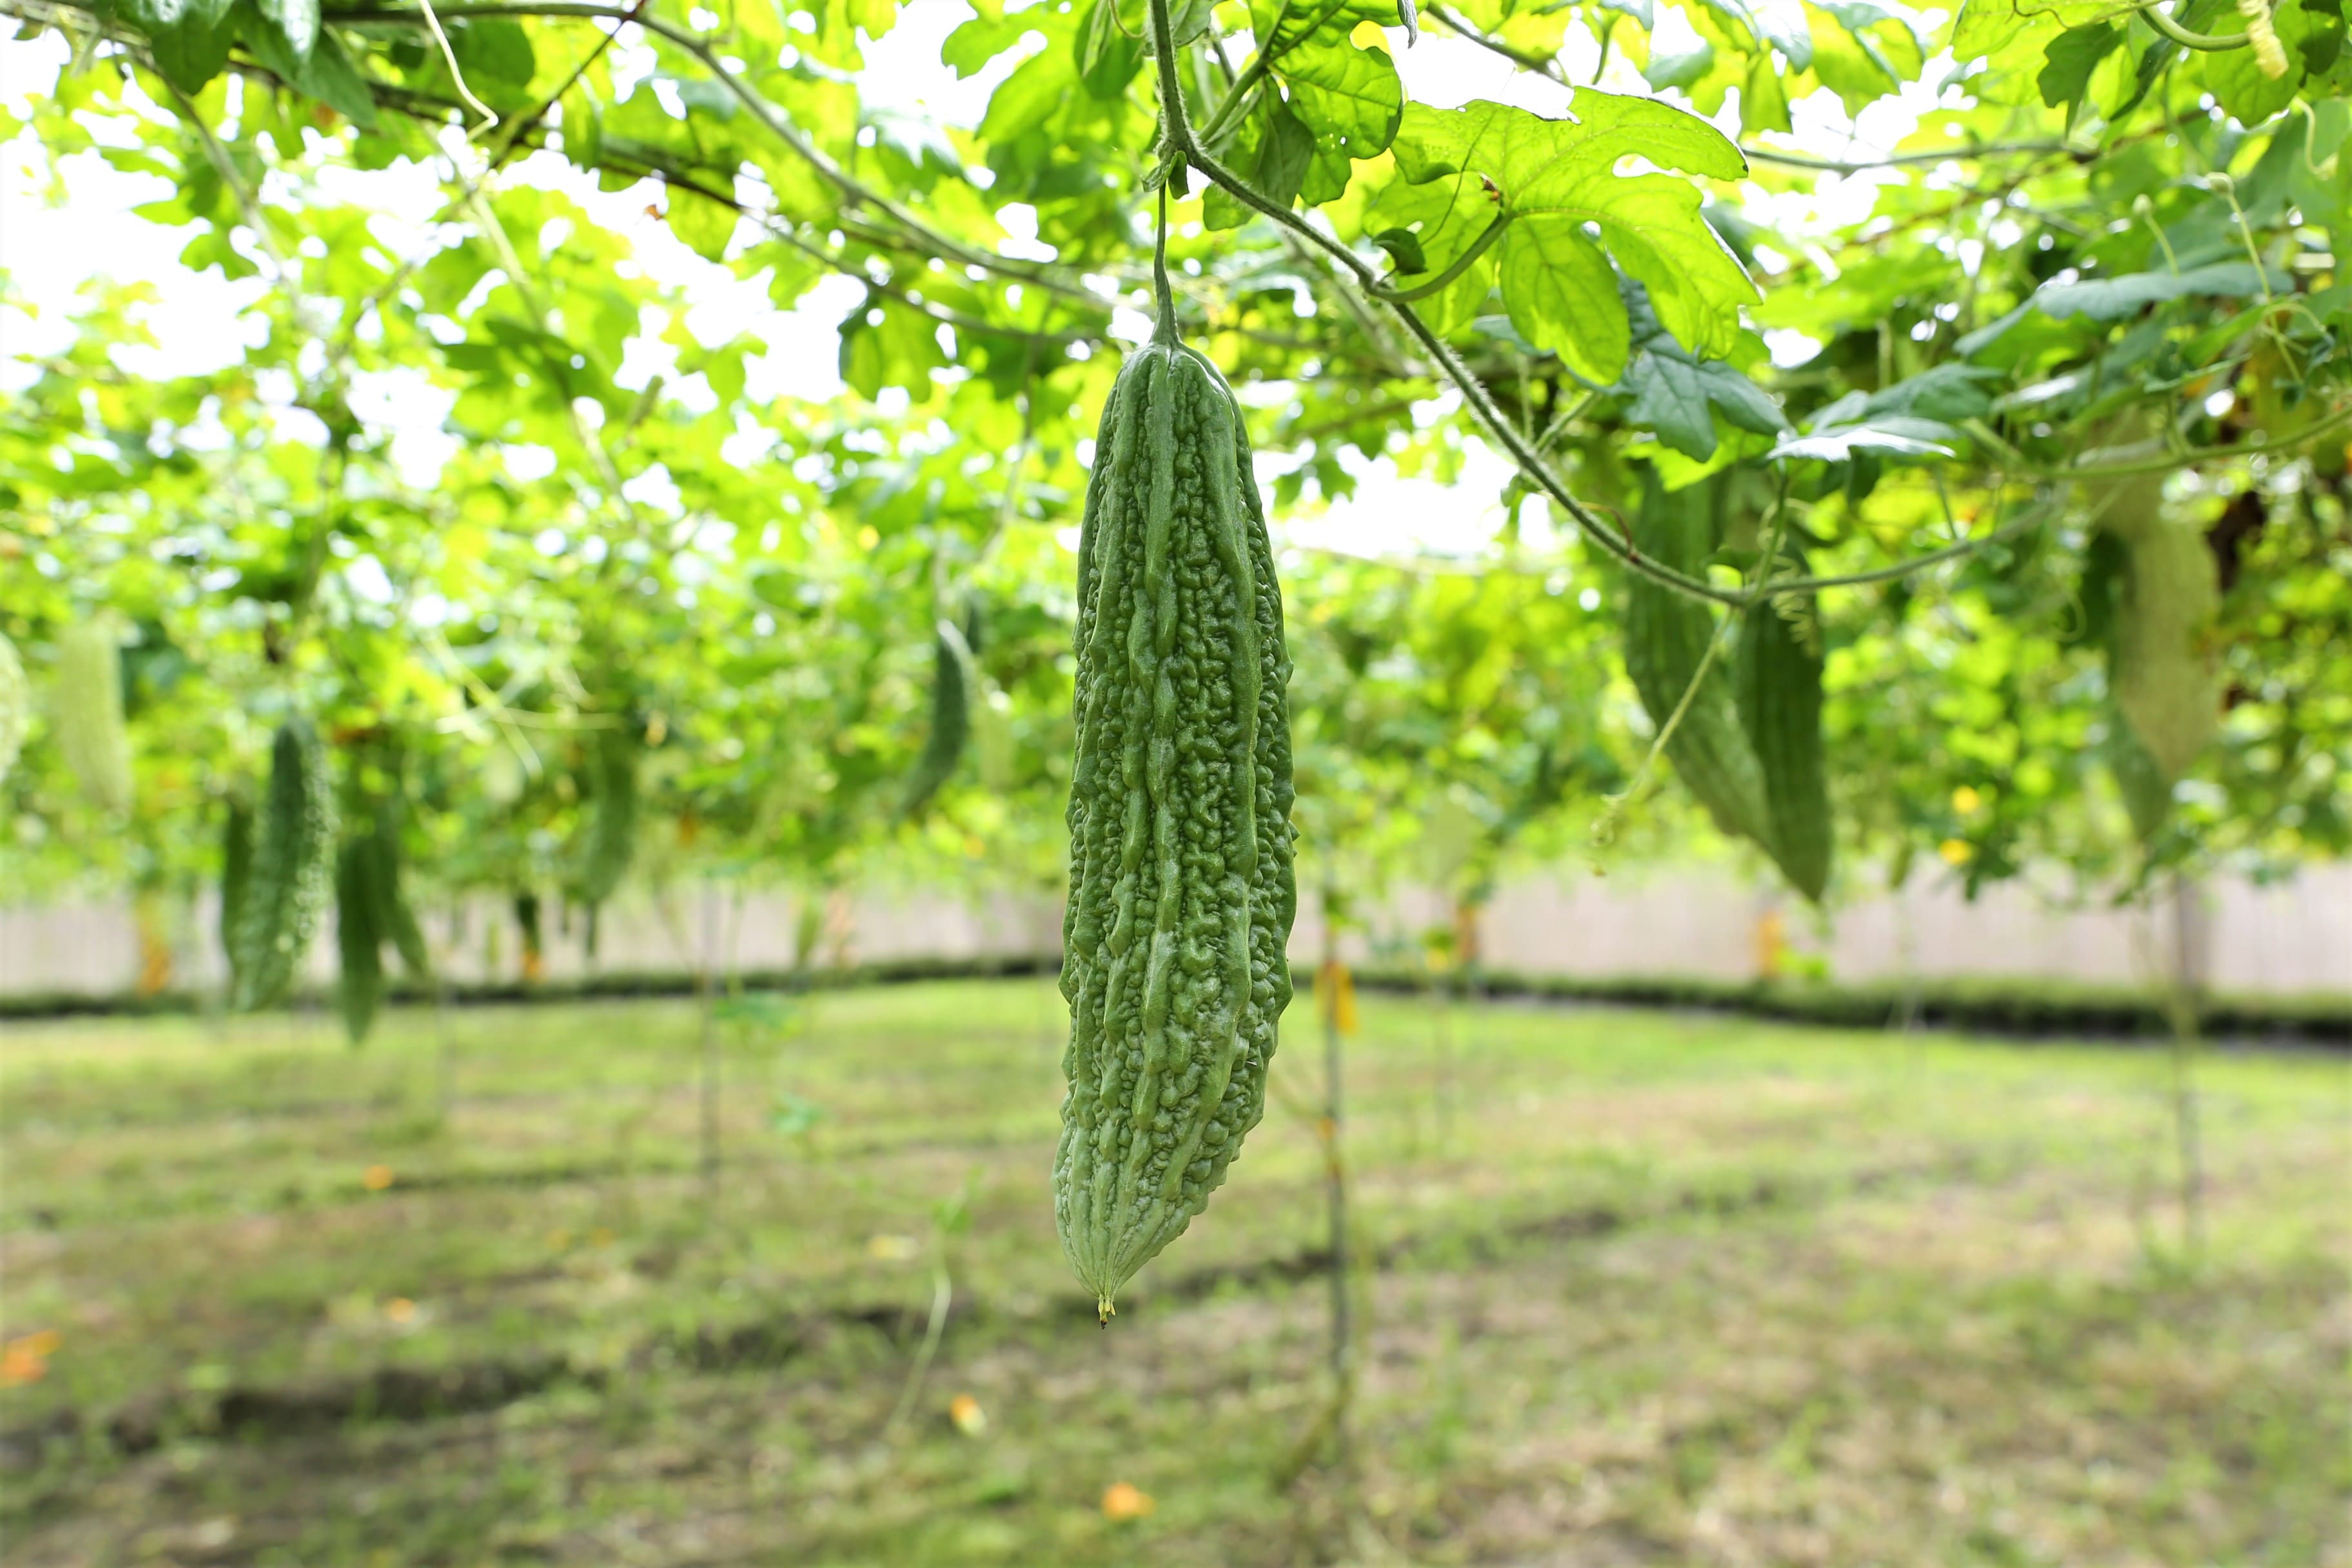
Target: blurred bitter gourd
[(15, 705), (613, 806), (88, 711), (1666, 638), (1182, 891), (1749, 744), (1777, 676), (286, 887), (360, 904), (950, 719), (237, 875)]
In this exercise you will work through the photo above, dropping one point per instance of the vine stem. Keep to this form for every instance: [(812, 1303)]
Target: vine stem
[(1164, 331), (2156, 16)]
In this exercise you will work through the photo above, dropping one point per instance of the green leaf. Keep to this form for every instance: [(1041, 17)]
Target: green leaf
[(296, 21), (1679, 70), (187, 39), (1274, 152), (1554, 178), (1346, 96), (2235, 78), (494, 51), (2073, 55), (329, 77), (1763, 99), (2110, 299), (900, 348), (1404, 247), (1107, 58), (1677, 394), (703, 224)]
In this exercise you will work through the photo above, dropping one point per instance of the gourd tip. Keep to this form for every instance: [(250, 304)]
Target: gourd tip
[(1104, 1312)]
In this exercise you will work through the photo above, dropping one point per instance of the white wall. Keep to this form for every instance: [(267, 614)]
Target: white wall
[(2289, 938)]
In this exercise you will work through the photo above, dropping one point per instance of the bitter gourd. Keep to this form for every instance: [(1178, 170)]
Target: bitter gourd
[(359, 932), (1777, 677), (612, 805), (1666, 638), (1181, 893), (950, 719), (88, 715), (2163, 679), (237, 875), (15, 705), (287, 886), (394, 916)]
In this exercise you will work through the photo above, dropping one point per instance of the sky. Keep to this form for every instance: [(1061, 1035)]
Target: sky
[(47, 255)]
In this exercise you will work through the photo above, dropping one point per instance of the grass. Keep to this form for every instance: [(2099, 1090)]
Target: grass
[(1648, 1288)]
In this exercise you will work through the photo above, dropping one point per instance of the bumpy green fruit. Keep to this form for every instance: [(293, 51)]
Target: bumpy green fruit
[(613, 825), (88, 711), (1778, 677), (1181, 893), (1749, 744), (360, 901), (950, 719), (236, 876), (1666, 637), (287, 886), (15, 705), (2165, 681)]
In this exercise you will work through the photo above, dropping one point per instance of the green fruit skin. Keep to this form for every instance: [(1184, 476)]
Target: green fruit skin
[(950, 720), (2164, 683), (1666, 637), (15, 705), (1181, 890), (394, 918), (236, 876), (1777, 679), (613, 826), (359, 932), (288, 887), (87, 714)]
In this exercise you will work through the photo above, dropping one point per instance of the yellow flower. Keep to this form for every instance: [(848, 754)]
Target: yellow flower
[(375, 1178), (1122, 1503), (1966, 800), (969, 1417), (1957, 851)]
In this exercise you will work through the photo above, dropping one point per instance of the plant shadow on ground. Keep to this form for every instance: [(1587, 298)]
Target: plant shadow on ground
[(1669, 1289)]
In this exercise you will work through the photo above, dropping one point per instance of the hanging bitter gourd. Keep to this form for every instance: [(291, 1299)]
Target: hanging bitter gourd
[(612, 813), (15, 705), (1666, 639), (237, 875), (396, 915), (1182, 891), (2163, 678), (1777, 677), (360, 904), (1749, 744), (371, 910), (950, 719), (293, 849), (87, 714)]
